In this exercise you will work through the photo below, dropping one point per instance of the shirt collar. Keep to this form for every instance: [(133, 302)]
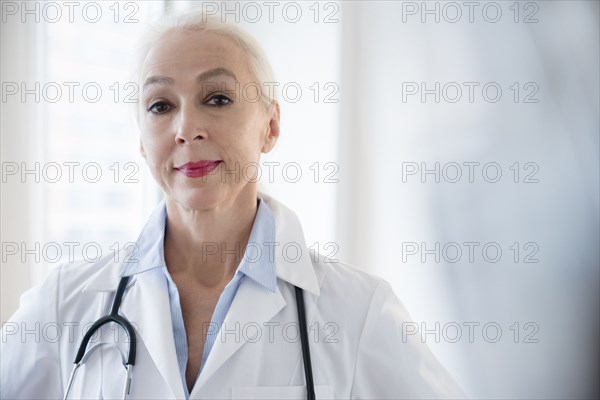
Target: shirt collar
[(258, 262)]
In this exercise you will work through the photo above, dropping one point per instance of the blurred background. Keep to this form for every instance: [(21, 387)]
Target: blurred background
[(449, 147)]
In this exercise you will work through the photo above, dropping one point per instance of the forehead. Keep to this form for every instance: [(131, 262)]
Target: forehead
[(193, 51)]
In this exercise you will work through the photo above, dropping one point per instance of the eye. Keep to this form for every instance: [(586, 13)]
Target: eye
[(160, 107), (218, 100)]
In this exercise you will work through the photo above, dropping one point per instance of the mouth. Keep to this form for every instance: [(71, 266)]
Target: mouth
[(198, 169)]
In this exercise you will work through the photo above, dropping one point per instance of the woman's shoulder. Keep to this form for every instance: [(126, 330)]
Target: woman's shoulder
[(60, 291), (66, 283), (344, 278), (79, 273)]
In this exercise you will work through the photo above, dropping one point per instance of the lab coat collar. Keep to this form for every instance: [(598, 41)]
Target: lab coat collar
[(293, 262)]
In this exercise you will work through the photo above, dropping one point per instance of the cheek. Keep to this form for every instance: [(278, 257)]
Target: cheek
[(241, 147), (245, 134), (155, 147)]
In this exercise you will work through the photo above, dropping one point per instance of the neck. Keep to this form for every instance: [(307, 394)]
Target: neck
[(206, 246)]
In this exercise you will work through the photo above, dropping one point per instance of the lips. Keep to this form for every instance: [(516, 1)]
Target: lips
[(198, 169)]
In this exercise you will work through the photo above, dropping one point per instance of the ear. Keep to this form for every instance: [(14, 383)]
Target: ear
[(273, 129), (142, 151)]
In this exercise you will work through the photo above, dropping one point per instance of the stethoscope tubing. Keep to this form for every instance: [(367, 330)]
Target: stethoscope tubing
[(310, 386)]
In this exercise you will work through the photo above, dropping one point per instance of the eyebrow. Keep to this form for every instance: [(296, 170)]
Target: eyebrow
[(204, 76)]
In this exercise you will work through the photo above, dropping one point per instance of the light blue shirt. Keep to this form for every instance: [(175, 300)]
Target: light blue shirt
[(257, 264)]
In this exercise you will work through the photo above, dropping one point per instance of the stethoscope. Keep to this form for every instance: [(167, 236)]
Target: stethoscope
[(82, 356)]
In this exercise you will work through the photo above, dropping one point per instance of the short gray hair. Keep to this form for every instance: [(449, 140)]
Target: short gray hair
[(259, 64)]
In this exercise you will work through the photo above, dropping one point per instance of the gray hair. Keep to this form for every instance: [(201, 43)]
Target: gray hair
[(260, 66)]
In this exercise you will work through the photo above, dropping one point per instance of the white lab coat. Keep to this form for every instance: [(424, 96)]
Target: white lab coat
[(355, 335)]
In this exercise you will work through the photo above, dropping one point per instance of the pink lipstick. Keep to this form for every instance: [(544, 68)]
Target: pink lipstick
[(198, 169)]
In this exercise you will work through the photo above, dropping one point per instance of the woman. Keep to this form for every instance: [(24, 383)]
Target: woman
[(211, 287)]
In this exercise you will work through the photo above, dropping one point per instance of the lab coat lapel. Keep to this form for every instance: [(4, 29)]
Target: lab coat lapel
[(146, 305), (253, 304)]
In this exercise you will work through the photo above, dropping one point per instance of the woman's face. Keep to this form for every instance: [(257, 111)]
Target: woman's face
[(202, 126)]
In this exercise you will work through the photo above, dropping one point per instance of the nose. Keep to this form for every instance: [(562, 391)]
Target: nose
[(190, 126)]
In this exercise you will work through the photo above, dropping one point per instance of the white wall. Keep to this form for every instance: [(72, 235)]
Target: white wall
[(387, 47), (21, 203)]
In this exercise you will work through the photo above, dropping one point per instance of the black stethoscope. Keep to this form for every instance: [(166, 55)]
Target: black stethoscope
[(82, 355)]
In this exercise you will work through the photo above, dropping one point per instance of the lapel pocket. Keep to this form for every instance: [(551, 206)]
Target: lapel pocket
[(322, 392)]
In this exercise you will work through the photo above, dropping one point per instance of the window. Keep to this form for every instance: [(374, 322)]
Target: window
[(103, 192)]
